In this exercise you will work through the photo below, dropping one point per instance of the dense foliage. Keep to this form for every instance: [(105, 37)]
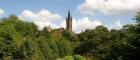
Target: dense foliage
[(23, 41)]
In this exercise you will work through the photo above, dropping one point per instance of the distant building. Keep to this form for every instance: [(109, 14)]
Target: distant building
[(69, 22), (49, 29), (60, 29)]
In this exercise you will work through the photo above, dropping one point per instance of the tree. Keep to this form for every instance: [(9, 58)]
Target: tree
[(64, 48), (137, 17)]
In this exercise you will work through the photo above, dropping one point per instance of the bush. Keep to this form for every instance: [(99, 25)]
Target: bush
[(75, 57), (79, 57), (68, 58)]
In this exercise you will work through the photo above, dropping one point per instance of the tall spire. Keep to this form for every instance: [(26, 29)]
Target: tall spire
[(69, 22), (69, 15)]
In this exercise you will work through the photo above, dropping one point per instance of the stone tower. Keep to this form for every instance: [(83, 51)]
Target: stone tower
[(69, 22)]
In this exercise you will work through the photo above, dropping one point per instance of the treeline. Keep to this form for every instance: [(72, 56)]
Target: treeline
[(20, 40), (23, 41)]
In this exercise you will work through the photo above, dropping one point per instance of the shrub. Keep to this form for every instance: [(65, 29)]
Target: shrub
[(79, 57)]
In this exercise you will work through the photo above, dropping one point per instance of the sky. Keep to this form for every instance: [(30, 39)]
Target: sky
[(87, 14)]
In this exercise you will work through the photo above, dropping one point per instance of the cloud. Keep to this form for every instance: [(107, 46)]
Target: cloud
[(46, 18), (110, 7), (1, 12), (41, 18), (116, 25), (82, 24)]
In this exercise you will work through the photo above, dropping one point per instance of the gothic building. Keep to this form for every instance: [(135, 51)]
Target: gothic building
[(69, 22)]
